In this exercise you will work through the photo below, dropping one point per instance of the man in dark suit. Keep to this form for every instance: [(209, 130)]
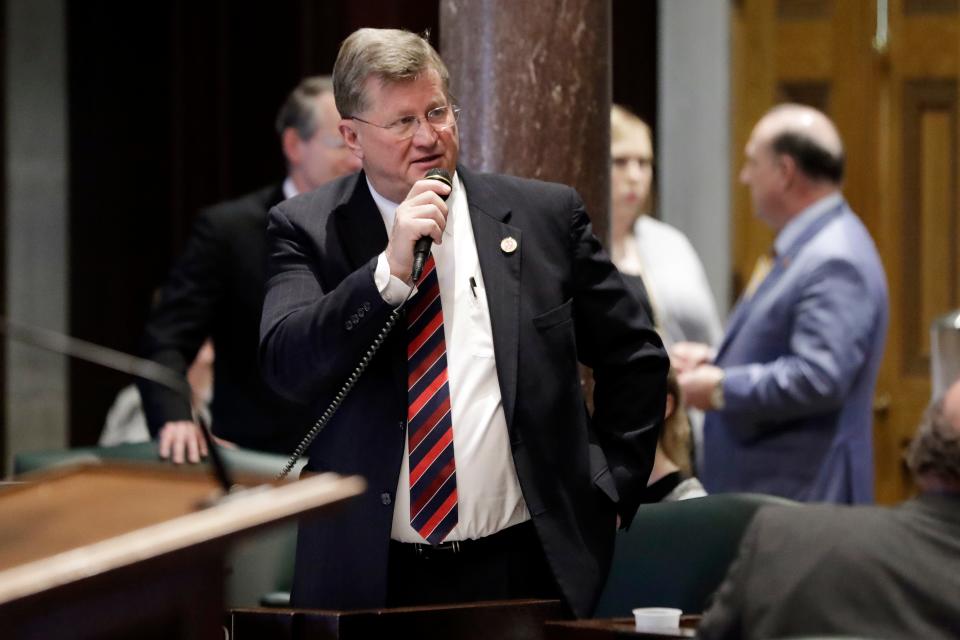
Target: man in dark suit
[(216, 290), (789, 390), (871, 572), (515, 290)]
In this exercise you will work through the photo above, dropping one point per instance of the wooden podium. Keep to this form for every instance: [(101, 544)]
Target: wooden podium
[(115, 551), (499, 620)]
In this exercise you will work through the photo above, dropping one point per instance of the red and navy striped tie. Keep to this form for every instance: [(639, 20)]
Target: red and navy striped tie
[(433, 473)]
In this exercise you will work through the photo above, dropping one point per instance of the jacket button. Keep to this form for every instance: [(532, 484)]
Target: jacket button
[(385, 499), (403, 425), (354, 319), (348, 325), (366, 306), (360, 312)]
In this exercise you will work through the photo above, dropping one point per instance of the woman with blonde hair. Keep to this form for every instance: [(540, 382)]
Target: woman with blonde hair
[(650, 251), (655, 256)]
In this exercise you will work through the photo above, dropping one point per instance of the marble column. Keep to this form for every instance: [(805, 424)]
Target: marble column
[(533, 79)]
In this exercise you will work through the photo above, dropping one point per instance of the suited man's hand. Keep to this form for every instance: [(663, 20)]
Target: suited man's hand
[(686, 356), (182, 440), (422, 213), (698, 386)]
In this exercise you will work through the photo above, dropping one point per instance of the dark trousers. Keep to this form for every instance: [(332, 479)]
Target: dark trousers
[(509, 564)]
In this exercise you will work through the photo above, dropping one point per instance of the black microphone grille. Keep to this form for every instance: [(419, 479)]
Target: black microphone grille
[(441, 174)]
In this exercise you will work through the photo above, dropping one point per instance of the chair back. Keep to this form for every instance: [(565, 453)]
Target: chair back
[(676, 554)]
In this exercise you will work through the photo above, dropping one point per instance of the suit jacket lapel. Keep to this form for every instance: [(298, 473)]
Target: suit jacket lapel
[(360, 224), (275, 196), (737, 317), (742, 310), (363, 236), (501, 276)]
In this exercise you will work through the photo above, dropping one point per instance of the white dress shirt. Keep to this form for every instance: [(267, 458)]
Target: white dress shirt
[(677, 284), (798, 225), (488, 491), (289, 189)]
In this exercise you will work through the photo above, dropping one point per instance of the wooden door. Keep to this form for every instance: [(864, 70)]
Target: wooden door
[(886, 72)]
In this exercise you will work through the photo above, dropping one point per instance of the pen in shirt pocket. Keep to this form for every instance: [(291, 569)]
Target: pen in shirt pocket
[(473, 287)]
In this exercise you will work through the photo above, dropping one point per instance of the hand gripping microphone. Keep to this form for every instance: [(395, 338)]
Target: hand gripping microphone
[(422, 248)]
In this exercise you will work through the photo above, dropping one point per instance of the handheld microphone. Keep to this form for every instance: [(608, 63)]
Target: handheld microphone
[(422, 248)]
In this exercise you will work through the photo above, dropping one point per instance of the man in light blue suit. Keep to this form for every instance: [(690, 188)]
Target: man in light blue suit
[(789, 390)]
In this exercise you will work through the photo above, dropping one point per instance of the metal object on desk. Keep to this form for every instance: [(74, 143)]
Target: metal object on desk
[(945, 352)]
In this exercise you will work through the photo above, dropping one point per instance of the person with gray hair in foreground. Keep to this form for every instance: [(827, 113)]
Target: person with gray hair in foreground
[(872, 572), (487, 477)]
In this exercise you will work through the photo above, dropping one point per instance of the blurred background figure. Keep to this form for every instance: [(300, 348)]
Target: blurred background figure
[(654, 256), (790, 388), (216, 290), (672, 476), (870, 572), (645, 248), (126, 422)]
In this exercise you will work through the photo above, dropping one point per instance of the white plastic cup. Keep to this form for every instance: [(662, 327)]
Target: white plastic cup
[(657, 618)]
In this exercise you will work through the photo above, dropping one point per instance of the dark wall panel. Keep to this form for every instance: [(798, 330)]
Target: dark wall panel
[(635, 57), (171, 108)]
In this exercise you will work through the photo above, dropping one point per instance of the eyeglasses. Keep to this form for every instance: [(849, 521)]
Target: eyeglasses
[(404, 128)]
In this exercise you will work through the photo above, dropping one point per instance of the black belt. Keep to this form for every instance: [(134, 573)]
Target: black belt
[(511, 537)]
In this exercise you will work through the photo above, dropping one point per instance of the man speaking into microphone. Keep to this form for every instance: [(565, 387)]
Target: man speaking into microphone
[(488, 479)]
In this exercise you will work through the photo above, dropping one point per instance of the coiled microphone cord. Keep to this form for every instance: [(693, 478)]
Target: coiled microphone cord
[(345, 389)]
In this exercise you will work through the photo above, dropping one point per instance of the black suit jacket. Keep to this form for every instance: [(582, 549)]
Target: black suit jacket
[(871, 572), (555, 300), (216, 289)]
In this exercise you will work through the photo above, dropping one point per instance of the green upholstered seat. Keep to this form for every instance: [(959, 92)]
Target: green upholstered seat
[(244, 461), (39, 460), (258, 564), (675, 554)]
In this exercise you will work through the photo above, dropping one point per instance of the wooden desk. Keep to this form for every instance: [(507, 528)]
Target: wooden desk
[(500, 620), (614, 628), (131, 550)]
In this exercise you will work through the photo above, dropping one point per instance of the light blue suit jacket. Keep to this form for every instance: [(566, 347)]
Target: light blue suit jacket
[(801, 358)]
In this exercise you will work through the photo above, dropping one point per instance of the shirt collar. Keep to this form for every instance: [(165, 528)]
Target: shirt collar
[(289, 189), (795, 228), (388, 208)]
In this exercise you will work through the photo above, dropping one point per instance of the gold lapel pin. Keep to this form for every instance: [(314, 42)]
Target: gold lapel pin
[(508, 245)]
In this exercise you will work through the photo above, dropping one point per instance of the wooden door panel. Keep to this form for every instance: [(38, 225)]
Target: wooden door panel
[(929, 186)]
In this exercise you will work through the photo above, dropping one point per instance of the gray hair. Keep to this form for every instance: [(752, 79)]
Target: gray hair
[(391, 55), (298, 111), (935, 449)]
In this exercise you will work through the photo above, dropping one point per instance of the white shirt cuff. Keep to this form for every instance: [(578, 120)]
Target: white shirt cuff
[(392, 289)]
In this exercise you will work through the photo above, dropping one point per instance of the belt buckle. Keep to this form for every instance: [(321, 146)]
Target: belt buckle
[(453, 546), (426, 550)]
